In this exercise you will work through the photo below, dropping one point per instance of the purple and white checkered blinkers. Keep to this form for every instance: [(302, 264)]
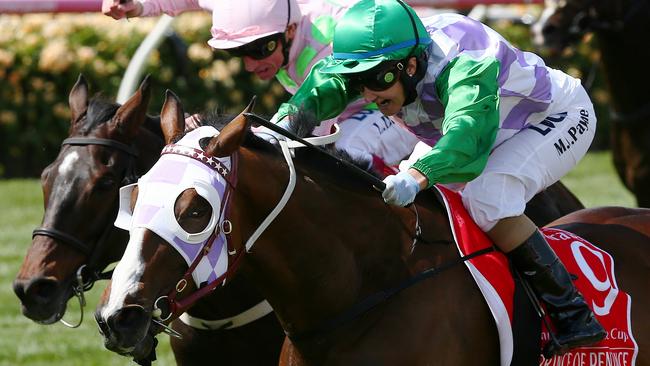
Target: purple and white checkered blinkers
[(182, 166)]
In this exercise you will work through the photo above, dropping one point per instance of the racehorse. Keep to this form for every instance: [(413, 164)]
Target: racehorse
[(323, 248), (621, 28), (108, 146)]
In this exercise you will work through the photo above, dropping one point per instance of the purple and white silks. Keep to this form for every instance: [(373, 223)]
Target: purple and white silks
[(528, 89)]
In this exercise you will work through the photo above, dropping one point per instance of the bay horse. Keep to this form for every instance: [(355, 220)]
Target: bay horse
[(109, 146), (621, 28), (320, 257)]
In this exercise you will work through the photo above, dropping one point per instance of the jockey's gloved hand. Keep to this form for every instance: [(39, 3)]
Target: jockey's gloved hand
[(401, 189), (270, 135)]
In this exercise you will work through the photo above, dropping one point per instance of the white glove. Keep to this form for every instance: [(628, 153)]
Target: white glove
[(401, 189), (270, 135)]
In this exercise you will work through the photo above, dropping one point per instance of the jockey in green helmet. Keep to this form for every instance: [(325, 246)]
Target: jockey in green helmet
[(502, 125)]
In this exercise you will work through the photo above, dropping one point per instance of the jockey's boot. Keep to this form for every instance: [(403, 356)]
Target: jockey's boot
[(574, 322)]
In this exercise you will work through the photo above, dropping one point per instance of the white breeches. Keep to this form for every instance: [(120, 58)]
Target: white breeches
[(530, 161)]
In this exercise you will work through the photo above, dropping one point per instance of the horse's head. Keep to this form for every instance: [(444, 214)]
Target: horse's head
[(80, 188), (176, 212), (565, 22)]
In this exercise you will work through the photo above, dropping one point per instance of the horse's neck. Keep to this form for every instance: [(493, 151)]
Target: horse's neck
[(329, 249)]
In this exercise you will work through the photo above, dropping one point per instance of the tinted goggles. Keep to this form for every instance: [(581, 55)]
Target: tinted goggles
[(379, 78), (258, 49)]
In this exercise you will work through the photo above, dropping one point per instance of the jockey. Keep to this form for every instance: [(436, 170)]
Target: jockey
[(285, 39), (501, 123)]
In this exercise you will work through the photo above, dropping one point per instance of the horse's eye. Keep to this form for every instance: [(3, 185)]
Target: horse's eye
[(197, 213), (192, 211)]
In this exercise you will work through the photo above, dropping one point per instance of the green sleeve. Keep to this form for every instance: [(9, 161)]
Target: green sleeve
[(325, 95), (469, 91)]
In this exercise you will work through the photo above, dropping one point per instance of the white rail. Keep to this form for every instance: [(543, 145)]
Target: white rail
[(134, 71)]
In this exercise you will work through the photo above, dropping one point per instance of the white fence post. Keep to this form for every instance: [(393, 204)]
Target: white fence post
[(138, 62)]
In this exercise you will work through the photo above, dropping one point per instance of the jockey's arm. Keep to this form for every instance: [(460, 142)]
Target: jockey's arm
[(469, 91), (169, 7), (324, 95)]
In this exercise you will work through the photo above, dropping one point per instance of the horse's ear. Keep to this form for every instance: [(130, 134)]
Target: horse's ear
[(132, 114), (171, 117), (232, 136), (78, 98)]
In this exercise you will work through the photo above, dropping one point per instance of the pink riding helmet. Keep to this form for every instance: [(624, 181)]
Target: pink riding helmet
[(236, 23)]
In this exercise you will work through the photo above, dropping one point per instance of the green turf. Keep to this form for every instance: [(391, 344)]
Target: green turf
[(23, 342)]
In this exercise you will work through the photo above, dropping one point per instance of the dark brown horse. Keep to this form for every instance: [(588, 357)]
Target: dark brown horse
[(622, 29), (333, 248), (110, 145), (80, 191)]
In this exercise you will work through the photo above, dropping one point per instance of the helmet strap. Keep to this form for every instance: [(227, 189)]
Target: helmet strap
[(286, 46), (409, 82)]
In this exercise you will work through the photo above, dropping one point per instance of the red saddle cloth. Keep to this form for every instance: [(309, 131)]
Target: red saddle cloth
[(595, 280)]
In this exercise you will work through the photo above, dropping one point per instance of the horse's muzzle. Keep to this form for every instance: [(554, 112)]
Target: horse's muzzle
[(126, 330), (43, 299)]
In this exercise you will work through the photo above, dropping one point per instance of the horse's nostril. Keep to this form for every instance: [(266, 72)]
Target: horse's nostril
[(40, 290), (19, 289), (128, 318)]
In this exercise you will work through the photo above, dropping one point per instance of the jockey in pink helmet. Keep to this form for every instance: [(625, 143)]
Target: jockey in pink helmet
[(285, 39)]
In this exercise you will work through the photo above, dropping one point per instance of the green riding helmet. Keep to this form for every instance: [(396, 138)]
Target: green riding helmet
[(373, 31)]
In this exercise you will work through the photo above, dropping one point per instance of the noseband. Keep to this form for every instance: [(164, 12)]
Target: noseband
[(86, 275)]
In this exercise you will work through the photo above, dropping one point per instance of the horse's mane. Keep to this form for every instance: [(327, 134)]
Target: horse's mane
[(101, 110), (302, 124)]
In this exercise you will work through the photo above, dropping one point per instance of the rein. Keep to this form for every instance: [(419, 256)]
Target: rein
[(84, 280), (377, 183)]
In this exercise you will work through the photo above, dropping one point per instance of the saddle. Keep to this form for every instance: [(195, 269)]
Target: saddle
[(593, 270)]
